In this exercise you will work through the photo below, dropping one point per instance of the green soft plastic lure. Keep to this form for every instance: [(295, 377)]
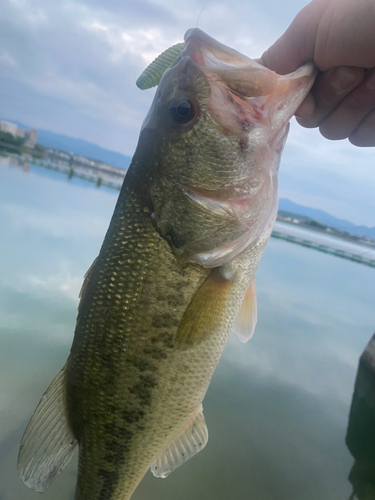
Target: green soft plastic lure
[(153, 73)]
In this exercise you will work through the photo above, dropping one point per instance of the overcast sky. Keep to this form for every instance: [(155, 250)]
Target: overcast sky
[(71, 67)]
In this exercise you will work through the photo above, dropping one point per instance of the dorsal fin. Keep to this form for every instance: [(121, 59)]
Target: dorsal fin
[(153, 73), (86, 280)]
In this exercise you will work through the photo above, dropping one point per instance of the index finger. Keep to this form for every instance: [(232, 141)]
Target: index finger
[(329, 90)]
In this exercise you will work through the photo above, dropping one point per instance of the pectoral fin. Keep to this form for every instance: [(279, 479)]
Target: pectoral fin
[(247, 317), (48, 443), (204, 313), (192, 440)]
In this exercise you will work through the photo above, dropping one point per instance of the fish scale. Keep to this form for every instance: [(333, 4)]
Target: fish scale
[(146, 277), (174, 277)]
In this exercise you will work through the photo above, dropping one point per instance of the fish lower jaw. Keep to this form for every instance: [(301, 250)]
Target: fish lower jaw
[(227, 252)]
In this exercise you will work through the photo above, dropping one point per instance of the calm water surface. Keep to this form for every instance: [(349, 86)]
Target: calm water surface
[(277, 408)]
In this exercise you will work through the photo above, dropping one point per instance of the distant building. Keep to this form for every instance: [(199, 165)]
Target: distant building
[(20, 133), (30, 135), (9, 128)]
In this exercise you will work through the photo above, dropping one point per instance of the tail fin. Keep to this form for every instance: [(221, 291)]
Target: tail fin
[(48, 443)]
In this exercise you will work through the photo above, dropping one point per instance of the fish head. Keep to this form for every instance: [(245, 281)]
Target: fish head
[(217, 126)]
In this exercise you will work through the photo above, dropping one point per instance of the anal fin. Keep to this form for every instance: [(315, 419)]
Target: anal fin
[(192, 440), (247, 317), (48, 442)]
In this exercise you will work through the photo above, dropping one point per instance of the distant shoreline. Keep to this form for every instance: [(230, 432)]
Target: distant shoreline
[(348, 237), (97, 173), (336, 245), (112, 177)]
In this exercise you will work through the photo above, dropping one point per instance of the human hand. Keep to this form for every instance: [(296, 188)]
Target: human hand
[(339, 36)]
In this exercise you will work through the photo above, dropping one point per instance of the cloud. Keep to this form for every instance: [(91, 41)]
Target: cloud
[(7, 59), (140, 13), (83, 78), (80, 60)]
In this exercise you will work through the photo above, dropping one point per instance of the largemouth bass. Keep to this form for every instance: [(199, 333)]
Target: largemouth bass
[(174, 277)]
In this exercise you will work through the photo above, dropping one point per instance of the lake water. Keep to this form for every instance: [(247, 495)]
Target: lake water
[(277, 408)]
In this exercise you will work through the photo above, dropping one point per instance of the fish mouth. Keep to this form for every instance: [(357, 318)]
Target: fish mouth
[(241, 73), (264, 96)]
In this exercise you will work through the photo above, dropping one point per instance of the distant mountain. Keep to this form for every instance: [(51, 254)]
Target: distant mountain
[(50, 139), (325, 218)]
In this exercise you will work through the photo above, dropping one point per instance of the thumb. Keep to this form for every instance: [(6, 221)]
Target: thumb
[(296, 46)]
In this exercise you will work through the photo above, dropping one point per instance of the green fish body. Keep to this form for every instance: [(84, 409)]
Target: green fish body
[(174, 277)]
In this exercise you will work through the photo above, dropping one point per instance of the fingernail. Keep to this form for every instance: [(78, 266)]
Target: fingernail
[(342, 78)]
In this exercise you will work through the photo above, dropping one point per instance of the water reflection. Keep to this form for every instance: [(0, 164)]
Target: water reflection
[(7, 161), (101, 175), (277, 409), (360, 437)]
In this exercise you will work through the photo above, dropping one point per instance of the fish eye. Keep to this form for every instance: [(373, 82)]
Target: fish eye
[(182, 111)]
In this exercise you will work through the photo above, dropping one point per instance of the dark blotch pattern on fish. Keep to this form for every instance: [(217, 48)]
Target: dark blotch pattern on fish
[(143, 389), (165, 320)]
